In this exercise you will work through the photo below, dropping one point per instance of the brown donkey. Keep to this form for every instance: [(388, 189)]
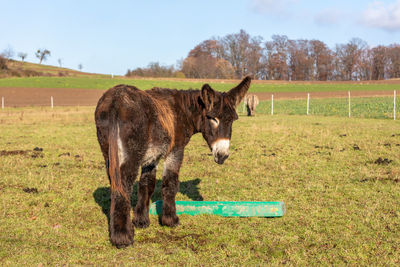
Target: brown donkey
[(136, 128)]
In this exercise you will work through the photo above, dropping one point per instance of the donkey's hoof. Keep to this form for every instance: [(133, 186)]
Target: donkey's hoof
[(141, 222), (121, 240), (170, 221)]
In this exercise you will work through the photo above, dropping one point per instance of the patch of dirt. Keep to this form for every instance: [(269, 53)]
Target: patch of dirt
[(30, 190), (323, 147), (33, 153), (356, 147), (384, 161), (13, 152), (375, 179)]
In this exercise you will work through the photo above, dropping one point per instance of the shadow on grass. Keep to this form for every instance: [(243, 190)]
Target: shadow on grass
[(188, 188)]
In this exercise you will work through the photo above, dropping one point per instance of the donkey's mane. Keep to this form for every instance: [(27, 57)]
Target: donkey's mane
[(187, 97)]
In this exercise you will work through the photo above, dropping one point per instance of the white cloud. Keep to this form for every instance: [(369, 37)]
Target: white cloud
[(273, 7), (379, 15)]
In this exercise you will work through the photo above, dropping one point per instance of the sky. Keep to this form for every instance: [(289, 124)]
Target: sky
[(112, 36)]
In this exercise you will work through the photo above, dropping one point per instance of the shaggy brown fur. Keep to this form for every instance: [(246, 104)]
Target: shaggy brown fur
[(136, 128)]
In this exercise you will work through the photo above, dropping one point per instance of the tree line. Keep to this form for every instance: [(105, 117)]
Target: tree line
[(237, 55)]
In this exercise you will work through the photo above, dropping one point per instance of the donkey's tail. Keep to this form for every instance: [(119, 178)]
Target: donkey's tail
[(113, 160)]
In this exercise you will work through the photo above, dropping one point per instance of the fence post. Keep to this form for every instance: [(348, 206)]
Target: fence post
[(2, 102), (51, 102), (349, 106), (272, 104), (308, 102), (394, 105)]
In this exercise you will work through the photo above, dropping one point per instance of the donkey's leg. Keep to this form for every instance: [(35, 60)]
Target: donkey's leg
[(170, 186), (121, 228), (146, 187)]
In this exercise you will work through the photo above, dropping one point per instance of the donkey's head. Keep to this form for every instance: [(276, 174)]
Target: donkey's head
[(219, 112)]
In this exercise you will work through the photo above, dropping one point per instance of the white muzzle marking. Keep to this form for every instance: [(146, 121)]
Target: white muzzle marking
[(220, 150)]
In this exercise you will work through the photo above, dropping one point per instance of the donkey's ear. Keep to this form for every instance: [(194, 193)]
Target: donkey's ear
[(236, 94), (207, 96)]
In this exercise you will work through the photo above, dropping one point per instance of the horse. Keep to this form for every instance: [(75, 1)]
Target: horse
[(251, 102), (136, 128)]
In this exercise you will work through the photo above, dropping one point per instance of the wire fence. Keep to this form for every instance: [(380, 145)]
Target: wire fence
[(358, 107)]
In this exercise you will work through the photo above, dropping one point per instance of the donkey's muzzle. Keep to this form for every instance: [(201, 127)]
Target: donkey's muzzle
[(220, 159), (220, 150)]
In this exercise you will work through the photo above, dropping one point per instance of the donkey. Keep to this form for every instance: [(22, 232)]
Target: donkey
[(251, 102), (136, 128)]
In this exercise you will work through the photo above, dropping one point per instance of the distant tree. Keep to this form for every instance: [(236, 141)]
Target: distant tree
[(322, 60), (365, 64), (59, 62), (22, 55), (242, 51), (154, 69), (277, 56), (301, 65), (80, 67), (205, 60), (8, 53), (42, 54), (379, 61), (348, 58), (393, 54)]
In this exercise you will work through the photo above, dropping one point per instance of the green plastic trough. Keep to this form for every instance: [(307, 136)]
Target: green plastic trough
[(225, 208)]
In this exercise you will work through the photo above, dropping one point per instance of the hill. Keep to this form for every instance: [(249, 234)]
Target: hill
[(17, 68)]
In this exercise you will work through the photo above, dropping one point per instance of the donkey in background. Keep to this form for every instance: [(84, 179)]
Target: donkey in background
[(251, 102), (135, 129)]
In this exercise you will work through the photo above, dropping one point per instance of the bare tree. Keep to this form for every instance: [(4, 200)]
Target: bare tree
[(206, 61), (42, 54), (322, 60), (59, 62), (242, 51), (348, 56), (379, 61), (276, 54), (365, 64), (154, 69), (8, 53), (393, 54), (301, 65), (80, 67), (22, 55)]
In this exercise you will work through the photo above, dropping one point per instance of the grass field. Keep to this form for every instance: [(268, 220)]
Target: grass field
[(105, 83), (361, 107), (339, 178)]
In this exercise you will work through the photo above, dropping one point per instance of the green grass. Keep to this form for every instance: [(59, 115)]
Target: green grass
[(105, 83), (361, 107), (342, 207)]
